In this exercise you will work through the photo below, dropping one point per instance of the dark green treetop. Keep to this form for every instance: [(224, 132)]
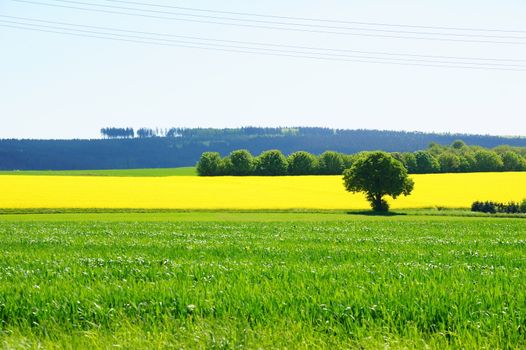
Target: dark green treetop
[(378, 174)]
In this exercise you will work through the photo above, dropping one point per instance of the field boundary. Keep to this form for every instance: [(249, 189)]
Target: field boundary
[(458, 212)]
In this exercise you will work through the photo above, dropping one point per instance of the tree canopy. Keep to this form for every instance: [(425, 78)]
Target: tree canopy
[(378, 174), (176, 147), (302, 163), (271, 163), (209, 164), (331, 163), (241, 163)]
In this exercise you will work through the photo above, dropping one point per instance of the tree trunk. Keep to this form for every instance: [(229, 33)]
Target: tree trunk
[(378, 203)]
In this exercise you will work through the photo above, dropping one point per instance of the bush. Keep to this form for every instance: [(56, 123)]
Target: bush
[(477, 206), (302, 163), (331, 163), (271, 163), (496, 207), (511, 208), (210, 164)]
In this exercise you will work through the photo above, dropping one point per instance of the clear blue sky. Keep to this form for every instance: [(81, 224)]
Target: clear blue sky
[(58, 86)]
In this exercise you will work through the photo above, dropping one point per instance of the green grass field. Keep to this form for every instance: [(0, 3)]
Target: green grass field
[(187, 171), (222, 280)]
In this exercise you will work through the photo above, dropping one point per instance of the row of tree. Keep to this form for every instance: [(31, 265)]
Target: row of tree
[(183, 147), (316, 139), (458, 157), (272, 163), (211, 133), (142, 133), (117, 133)]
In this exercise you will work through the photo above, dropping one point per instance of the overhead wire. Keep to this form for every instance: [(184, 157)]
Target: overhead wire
[(288, 23), (118, 37), (317, 19), (258, 43), (255, 25)]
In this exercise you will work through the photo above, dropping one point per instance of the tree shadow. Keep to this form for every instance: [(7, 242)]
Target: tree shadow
[(375, 213)]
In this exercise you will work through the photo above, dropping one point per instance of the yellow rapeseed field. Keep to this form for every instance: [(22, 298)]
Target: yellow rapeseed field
[(192, 192)]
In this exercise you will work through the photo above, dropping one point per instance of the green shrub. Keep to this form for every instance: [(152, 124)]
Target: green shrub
[(497, 207)]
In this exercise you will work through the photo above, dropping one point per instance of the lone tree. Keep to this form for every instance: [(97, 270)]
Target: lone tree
[(378, 174)]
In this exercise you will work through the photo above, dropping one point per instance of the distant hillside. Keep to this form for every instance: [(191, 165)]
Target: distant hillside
[(182, 147)]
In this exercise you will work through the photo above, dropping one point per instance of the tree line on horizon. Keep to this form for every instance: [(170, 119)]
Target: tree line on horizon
[(130, 133), (114, 133), (143, 151), (457, 157), (214, 134)]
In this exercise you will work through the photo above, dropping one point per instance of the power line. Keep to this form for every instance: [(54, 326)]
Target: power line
[(264, 49), (264, 26), (116, 37), (288, 23), (257, 43), (318, 19)]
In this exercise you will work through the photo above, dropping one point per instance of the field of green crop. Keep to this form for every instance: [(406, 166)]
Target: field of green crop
[(158, 172), (259, 282)]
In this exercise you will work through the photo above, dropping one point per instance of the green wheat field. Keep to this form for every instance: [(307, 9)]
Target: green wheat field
[(261, 281)]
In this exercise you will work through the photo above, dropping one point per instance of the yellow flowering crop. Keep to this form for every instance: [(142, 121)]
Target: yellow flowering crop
[(192, 192)]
